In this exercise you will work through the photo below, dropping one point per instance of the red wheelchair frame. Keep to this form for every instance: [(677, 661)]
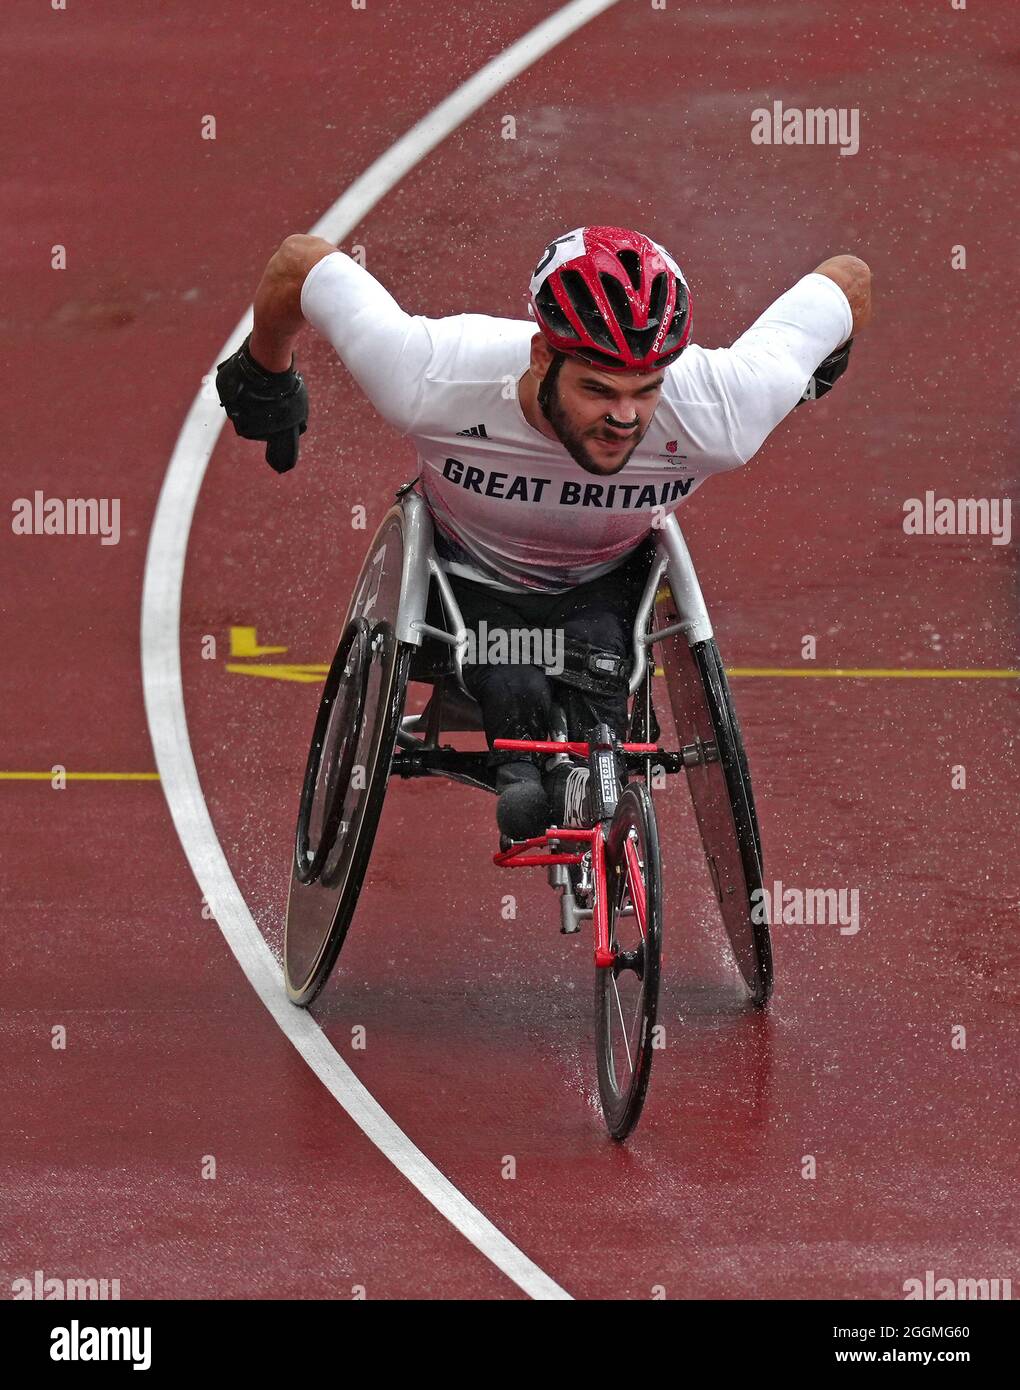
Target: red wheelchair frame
[(593, 838)]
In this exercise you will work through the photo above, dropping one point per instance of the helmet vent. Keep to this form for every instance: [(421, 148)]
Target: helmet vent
[(631, 262), (552, 313), (640, 340), (676, 332), (678, 325), (618, 301), (583, 303), (659, 296)]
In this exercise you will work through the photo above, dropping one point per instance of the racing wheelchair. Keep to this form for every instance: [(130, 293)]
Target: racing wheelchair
[(404, 624)]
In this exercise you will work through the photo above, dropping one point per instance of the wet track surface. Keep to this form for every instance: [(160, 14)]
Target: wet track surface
[(479, 1029)]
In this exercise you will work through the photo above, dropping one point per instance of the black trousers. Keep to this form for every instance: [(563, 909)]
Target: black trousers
[(516, 700)]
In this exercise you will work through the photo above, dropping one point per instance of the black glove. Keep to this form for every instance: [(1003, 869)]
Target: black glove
[(827, 372), (264, 405)]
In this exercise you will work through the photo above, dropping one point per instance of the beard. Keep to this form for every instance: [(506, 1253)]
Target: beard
[(573, 441)]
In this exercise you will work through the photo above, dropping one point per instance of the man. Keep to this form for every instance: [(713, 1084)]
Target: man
[(547, 458)]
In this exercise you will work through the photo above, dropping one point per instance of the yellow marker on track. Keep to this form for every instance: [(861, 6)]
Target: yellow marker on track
[(80, 776), (877, 673), (244, 642), (308, 672), (298, 672)]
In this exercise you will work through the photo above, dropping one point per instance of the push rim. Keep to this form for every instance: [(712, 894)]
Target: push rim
[(332, 752), (719, 783), (747, 923), (319, 913)]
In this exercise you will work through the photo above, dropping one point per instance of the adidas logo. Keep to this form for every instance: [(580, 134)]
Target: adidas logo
[(477, 431)]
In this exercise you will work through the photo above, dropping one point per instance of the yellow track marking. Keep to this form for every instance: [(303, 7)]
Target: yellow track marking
[(80, 776), (877, 672), (296, 672), (244, 642), (310, 671)]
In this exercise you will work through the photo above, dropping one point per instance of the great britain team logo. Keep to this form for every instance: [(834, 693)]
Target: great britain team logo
[(671, 450)]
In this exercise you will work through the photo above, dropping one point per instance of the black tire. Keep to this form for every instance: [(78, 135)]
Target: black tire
[(321, 904), (724, 716), (338, 722), (627, 994), (720, 787)]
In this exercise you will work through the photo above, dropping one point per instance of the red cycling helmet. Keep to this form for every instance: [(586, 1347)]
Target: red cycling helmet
[(612, 297)]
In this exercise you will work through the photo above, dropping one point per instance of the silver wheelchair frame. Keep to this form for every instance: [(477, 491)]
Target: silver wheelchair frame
[(672, 614), (422, 567)]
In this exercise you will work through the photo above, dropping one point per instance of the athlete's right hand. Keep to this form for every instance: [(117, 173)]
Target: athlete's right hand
[(264, 405), (827, 373)]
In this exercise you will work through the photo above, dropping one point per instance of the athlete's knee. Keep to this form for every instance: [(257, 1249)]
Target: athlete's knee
[(512, 697), (523, 683), (603, 630), (599, 668)]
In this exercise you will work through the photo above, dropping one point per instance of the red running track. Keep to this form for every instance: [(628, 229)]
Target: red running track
[(479, 1032)]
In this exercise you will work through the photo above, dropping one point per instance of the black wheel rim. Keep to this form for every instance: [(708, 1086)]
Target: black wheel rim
[(331, 756), (720, 786), (319, 912), (626, 994)]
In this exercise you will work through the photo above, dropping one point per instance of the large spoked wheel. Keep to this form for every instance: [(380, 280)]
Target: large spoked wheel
[(720, 785), (627, 993), (345, 783), (328, 773)]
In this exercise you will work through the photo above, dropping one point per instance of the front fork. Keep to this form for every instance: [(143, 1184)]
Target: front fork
[(605, 778), (604, 781)]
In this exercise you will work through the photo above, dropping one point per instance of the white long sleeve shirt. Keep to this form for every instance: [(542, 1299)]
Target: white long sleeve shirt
[(512, 507)]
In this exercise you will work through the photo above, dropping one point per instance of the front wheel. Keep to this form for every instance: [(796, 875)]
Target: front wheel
[(627, 992)]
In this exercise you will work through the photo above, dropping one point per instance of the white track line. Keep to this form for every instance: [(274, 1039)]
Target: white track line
[(164, 691)]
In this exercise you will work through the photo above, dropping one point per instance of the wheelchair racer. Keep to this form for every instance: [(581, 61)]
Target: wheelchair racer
[(547, 458)]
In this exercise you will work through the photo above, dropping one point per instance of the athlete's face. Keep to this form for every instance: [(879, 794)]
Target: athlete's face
[(581, 398)]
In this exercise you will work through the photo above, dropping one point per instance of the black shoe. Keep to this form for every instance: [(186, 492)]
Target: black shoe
[(522, 811)]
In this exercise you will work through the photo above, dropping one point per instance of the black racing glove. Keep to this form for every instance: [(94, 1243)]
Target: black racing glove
[(264, 405), (827, 372)]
